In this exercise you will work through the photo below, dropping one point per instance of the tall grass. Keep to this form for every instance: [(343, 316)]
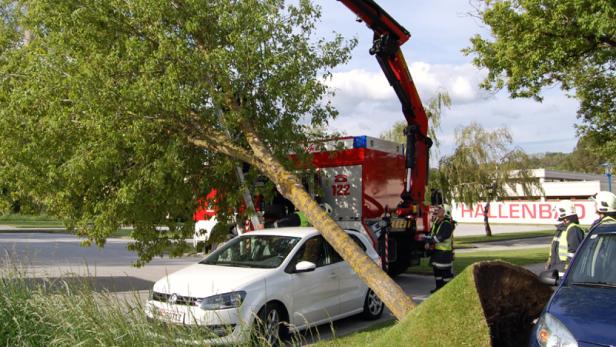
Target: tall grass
[(63, 313), (66, 311)]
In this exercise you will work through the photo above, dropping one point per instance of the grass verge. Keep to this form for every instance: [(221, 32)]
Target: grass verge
[(30, 221), (67, 312), (465, 240), (519, 257), (433, 317)]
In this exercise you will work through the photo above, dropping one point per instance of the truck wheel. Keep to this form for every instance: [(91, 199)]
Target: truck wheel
[(398, 267), (373, 306)]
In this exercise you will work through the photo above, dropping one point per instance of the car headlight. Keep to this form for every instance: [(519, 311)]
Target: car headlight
[(552, 333), (222, 301)]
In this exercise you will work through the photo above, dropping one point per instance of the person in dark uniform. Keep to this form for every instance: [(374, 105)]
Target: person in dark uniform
[(567, 239), (440, 241)]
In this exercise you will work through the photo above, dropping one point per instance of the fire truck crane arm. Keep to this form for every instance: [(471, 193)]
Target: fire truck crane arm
[(388, 37)]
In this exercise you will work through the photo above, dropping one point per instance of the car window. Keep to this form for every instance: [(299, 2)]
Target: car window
[(596, 262), (313, 251), (260, 251)]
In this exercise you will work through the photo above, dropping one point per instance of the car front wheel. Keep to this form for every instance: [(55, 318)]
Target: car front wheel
[(373, 306), (270, 325)]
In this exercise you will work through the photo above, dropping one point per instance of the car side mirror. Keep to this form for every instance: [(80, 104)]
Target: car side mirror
[(305, 266), (549, 277)]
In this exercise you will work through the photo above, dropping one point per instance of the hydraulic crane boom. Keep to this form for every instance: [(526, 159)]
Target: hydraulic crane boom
[(388, 37)]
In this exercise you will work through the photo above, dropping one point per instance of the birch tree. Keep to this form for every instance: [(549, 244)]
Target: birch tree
[(123, 112)]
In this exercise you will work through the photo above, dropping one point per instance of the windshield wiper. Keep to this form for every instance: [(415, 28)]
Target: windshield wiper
[(595, 284)]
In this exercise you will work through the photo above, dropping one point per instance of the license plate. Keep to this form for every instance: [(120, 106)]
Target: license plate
[(171, 316)]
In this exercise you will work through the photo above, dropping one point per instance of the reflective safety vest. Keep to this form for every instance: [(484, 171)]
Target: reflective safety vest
[(563, 245), (444, 245), (607, 220)]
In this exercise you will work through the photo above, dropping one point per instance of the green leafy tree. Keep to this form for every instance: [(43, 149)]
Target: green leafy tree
[(541, 43), (434, 110), (124, 112), (484, 168), (583, 158)]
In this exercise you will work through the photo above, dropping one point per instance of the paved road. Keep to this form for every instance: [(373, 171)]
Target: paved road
[(109, 269)]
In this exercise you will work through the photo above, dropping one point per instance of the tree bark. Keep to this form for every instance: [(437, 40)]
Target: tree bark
[(291, 188), (486, 219)]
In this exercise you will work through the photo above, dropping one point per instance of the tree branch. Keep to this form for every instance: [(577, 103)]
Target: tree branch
[(217, 142)]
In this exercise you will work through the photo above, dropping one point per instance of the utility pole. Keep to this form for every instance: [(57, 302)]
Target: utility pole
[(608, 173)]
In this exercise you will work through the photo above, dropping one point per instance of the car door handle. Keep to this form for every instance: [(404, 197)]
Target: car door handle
[(332, 275)]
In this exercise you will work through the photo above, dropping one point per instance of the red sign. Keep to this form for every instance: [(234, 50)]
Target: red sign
[(531, 212)]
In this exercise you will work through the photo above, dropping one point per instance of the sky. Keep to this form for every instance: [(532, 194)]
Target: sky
[(439, 29)]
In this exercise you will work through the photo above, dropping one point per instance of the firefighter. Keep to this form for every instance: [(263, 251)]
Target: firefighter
[(605, 205), (567, 238), (440, 241)]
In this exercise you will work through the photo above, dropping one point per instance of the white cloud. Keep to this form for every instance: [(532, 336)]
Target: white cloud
[(368, 106), (361, 85), (460, 81)]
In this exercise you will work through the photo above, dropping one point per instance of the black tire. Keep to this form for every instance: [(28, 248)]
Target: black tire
[(399, 267), (270, 326), (399, 249), (373, 306)]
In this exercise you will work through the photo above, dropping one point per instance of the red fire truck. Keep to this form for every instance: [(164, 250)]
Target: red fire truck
[(386, 183), (376, 186), (360, 180)]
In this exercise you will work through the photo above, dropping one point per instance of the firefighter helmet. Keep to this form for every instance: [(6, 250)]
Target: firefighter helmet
[(565, 208), (605, 202)]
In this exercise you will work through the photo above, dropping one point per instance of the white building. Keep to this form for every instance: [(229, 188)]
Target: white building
[(539, 208)]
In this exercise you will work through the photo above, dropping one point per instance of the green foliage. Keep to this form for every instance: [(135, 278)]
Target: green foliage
[(102, 104), (584, 158), (396, 133), (540, 43), (434, 110), (483, 167)]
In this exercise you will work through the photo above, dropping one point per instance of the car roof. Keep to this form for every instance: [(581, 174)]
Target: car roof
[(607, 228), (291, 231)]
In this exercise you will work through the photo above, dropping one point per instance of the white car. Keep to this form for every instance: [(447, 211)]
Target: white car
[(285, 279)]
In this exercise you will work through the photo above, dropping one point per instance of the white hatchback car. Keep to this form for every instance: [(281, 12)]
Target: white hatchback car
[(286, 279)]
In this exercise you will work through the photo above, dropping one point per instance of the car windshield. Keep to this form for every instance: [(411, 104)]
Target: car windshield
[(258, 251), (595, 265)]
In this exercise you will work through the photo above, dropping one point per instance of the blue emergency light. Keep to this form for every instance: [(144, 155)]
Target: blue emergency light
[(360, 141)]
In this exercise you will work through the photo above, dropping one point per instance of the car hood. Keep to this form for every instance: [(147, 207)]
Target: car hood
[(588, 312), (201, 280)]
